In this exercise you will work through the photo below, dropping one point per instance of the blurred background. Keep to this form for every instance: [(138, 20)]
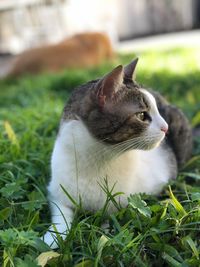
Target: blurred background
[(29, 23), (132, 26)]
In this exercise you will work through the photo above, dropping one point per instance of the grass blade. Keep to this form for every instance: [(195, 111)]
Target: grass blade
[(177, 205)]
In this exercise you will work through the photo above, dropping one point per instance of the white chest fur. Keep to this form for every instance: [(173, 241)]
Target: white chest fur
[(80, 163)]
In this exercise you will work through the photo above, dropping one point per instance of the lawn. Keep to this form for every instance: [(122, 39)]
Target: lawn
[(159, 230)]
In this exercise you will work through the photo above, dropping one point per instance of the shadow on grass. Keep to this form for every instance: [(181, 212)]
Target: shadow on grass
[(180, 89)]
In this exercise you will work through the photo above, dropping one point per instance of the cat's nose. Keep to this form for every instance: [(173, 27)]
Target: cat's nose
[(163, 125), (164, 129)]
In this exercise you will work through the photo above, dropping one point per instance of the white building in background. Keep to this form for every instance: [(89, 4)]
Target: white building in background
[(29, 23)]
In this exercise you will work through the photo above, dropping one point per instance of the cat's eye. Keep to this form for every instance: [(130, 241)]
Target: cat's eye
[(141, 116)]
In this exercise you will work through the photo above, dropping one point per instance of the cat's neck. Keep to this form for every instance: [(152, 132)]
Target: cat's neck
[(96, 153)]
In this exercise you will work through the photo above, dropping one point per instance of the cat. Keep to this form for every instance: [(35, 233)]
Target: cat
[(114, 128), (79, 51)]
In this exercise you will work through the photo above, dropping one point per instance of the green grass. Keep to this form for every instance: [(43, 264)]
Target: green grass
[(159, 230)]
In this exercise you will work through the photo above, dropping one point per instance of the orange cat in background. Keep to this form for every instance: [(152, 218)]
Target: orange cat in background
[(79, 51)]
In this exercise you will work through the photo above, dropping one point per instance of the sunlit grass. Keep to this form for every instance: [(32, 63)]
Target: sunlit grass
[(177, 60)]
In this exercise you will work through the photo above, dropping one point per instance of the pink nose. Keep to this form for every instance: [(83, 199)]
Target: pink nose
[(164, 129)]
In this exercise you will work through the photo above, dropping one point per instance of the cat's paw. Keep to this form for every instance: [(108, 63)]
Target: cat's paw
[(50, 238)]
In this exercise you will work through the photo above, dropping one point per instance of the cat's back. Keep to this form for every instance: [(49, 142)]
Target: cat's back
[(179, 137), (96, 41), (45, 58), (81, 50)]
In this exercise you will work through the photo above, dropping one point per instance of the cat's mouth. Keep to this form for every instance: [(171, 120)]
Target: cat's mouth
[(152, 141)]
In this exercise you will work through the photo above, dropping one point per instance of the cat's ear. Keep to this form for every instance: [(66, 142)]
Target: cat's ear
[(129, 70), (109, 85)]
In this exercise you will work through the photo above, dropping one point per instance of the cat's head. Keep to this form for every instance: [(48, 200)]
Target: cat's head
[(122, 112)]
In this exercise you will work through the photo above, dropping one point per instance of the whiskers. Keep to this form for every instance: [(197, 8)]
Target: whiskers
[(100, 154), (144, 142)]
